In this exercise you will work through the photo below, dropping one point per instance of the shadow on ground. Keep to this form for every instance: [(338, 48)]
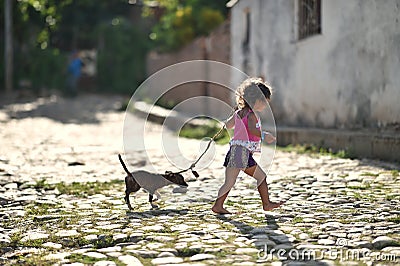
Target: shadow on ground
[(83, 109), (156, 212), (265, 237)]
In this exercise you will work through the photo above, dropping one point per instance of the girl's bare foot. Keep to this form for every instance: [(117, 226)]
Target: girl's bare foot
[(220, 210), (272, 205)]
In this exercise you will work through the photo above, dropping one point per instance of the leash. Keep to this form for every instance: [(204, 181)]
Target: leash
[(193, 165)]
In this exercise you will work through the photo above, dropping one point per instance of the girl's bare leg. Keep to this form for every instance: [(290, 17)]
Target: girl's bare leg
[(230, 179), (260, 176)]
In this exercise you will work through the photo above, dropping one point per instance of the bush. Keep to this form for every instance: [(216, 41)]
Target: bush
[(43, 68), (182, 22), (121, 60), (209, 19)]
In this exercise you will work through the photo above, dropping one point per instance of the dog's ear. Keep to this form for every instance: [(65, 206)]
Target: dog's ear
[(168, 173)]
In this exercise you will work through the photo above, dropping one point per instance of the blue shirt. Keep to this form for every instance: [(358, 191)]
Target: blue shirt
[(75, 67)]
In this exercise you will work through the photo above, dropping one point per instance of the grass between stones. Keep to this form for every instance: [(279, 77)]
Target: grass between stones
[(395, 219), (87, 189), (80, 258), (395, 173), (33, 260), (315, 150), (369, 174), (50, 217), (81, 189)]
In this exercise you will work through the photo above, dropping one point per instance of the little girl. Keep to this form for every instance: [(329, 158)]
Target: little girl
[(252, 95)]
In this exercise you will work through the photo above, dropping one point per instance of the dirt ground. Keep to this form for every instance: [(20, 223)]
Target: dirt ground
[(61, 139)]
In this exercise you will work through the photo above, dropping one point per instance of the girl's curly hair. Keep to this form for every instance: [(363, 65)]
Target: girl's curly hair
[(250, 90)]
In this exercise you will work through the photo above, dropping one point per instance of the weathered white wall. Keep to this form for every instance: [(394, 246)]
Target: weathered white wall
[(346, 77)]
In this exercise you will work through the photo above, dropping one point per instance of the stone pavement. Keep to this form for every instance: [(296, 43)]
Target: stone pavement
[(61, 196)]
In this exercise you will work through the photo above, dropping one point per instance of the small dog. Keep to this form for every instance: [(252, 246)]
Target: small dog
[(149, 182)]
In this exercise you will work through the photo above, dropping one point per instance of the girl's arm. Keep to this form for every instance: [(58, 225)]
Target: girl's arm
[(230, 123), (252, 122)]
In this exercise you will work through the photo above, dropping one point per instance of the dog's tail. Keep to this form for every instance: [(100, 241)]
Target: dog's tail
[(123, 165)]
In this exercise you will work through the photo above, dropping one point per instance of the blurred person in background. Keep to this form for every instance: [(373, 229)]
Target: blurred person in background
[(74, 73)]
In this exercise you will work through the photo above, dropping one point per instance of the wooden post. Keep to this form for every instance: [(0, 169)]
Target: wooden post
[(8, 49)]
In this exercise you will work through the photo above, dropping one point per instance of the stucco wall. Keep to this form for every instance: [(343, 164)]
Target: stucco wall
[(346, 77)]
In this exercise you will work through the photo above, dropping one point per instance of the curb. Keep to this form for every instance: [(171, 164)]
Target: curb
[(360, 144), (158, 115)]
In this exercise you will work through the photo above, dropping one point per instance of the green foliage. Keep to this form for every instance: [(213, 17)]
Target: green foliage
[(188, 252), (394, 219), (86, 189), (182, 21), (39, 209), (86, 260), (395, 173), (313, 149), (74, 188), (46, 31), (83, 259), (208, 19), (42, 67), (41, 15), (361, 187), (81, 19), (34, 60), (298, 219), (33, 260), (167, 104), (204, 131), (174, 29), (122, 59), (370, 174), (42, 184)]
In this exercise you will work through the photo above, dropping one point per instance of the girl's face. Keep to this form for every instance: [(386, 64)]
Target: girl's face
[(260, 105)]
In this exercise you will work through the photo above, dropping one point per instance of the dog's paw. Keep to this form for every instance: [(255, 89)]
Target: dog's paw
[(154, 206)]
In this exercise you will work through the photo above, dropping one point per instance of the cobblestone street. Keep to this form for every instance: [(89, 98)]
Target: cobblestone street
[(62, 189)]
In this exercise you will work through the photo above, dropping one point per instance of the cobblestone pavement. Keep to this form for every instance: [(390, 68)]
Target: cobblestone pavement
[(61, 196)]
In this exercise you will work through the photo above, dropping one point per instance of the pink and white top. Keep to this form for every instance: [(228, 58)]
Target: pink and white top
[(242, 135)]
